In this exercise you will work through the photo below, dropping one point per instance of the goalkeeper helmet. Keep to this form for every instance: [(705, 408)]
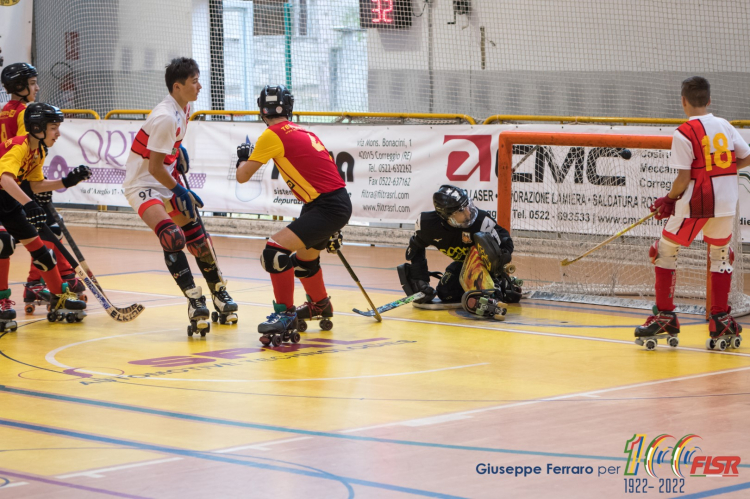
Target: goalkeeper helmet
[(275, 102), (15, 77), (454, 206), (38, 115)]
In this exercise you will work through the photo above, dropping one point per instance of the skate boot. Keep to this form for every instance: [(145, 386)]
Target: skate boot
[(7, 314), (226, 308), (660, 325), (75, 285), (311, 310), (197, 312), (484, 303), (66, 306), (279, 327), (724, 331), (34, 293)]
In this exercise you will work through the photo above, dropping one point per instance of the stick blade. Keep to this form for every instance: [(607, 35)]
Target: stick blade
[(565, 262), (368, 313)]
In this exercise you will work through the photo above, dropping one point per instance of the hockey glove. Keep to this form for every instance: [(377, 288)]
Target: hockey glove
[(244, 151), (186, 201), (78, 175), (664, 207), (183, 161), (43, 198), (335, 242), (35, 214)]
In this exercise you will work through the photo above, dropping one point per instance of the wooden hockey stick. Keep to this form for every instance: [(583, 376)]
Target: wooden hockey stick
[(567, 262), (376, 314), (126, 314), (390, 306)]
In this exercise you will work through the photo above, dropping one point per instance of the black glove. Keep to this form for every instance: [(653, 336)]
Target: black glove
[(244, 151), (183, 160), (35, 214), (335, 242), (78, 175), (43, 198)]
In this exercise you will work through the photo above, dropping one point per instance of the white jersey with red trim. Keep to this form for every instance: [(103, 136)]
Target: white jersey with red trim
[(162, 132), (708, 146)]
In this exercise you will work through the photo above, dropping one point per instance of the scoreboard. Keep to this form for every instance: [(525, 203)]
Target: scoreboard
[(385, 13)]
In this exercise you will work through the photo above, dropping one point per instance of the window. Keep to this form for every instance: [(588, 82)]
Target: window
[(268, 17)]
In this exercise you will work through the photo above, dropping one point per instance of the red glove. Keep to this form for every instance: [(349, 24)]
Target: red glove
[(664, 207)]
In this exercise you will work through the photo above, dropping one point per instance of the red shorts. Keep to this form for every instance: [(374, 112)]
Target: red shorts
[(716, 231)]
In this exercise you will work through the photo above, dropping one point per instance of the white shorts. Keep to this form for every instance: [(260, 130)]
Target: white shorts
[(716, 231), (141, 198)]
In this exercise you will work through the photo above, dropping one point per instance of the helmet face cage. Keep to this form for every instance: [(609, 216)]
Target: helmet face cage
[(15, 77), (38, 115), (275, 102), (454, 206)]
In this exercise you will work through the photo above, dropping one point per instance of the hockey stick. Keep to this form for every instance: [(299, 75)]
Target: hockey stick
[(375, 312), (126, 314), (208, 238), (391, 305), (567, 262)]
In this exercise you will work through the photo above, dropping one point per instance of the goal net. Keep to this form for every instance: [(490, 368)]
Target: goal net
[(569, 192)]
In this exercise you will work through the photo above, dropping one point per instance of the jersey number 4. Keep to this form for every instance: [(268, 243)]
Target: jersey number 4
[(722, 157)]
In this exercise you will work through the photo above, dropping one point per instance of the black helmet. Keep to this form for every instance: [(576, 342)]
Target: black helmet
[(38, 115), (276, 101), (15, 77), (450, 199)]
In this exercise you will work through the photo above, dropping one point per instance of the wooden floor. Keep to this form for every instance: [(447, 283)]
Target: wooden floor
[(413, 406)]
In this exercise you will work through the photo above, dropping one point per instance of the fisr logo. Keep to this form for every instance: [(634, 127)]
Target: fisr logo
[(477, 153)]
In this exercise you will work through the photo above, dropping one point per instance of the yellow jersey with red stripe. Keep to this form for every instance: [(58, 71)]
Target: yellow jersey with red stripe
[(301, 158), (20, 160), (11, 120)]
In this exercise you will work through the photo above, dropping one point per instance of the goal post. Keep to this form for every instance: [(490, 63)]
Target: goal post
[(561, 194)]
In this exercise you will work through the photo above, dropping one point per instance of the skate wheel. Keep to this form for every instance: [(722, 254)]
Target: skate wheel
[(651, 344), (51, 316), (295, 337), (222, 319), (673, 342), (276, 340), (265, 340), (215, 317), (190, 330), (302, 326), (639, 342), (203, 334), (326, 325), (2, 327), (70, 318), (13, 328), (29, 309), (721, 344), (736, 342), (285, 337), (85, 298), (710, 343)]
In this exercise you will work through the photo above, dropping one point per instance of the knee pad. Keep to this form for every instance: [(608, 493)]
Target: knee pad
[(171, 237), (304, 268), (275, 259), (664, 254), (196, 240), (43, 258), (722, 258), (7, 245)]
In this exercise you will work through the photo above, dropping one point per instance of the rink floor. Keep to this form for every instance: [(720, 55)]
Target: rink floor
[(412, 406)]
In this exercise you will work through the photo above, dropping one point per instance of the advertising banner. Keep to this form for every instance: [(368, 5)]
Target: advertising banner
[(15, 34), (391, 172)]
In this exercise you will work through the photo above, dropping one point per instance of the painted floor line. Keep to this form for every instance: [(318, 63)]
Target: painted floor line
[(50, 430), (99, 473), (593, 393), (263, 446)]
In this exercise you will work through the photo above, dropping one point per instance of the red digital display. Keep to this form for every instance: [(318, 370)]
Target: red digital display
[(385, 13)]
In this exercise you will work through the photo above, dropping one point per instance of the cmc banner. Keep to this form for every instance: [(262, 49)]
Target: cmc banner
[(15, 34), (391, 172)]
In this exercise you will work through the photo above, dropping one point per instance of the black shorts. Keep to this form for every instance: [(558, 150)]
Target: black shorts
[(13, 218), (322, 217)]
